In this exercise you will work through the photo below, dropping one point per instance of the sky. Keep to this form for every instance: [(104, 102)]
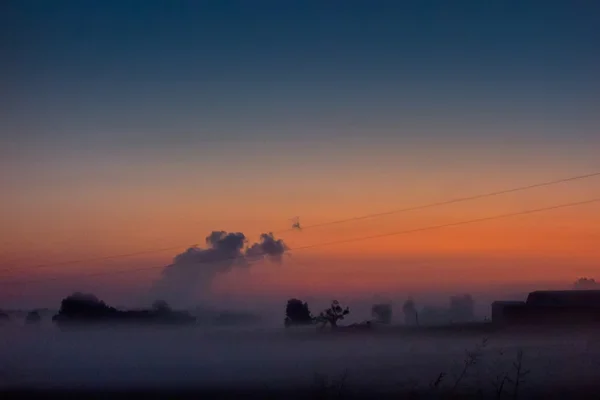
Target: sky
[(134, 125)]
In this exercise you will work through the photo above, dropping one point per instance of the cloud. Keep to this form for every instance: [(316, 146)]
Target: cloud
[(267, 247), (193, 271)]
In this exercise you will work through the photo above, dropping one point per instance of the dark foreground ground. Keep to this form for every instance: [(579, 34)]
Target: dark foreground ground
[(280, 364), (550, 392)]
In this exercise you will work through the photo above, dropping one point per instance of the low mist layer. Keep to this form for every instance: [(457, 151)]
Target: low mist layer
[(180, 358)]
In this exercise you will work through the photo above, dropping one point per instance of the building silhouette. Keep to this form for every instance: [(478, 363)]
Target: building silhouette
[(550, 307)]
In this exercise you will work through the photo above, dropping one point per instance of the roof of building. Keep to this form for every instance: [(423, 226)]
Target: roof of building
[(507, 302), (564, 298)]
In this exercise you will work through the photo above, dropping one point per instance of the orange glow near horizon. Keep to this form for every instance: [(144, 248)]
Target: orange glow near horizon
[(58, 230), (554, 232), (567, 230)]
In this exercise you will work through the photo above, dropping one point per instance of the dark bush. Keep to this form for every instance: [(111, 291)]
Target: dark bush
[(297, 313), (86, 308)]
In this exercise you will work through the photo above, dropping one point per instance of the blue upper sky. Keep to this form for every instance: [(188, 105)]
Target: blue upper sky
[(177, 117), (162, 74)]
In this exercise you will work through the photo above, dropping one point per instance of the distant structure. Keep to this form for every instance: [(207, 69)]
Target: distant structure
[(462, 308), (382, 313), (550, 307), (411, 315)]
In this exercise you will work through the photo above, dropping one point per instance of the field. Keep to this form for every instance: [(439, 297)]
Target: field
[(300, 361)]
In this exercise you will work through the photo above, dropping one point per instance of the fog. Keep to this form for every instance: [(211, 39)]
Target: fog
[(239, 340), (264, 357)]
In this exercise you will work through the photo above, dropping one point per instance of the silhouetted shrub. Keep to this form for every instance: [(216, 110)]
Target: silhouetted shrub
[(84, 306), (297, 313)]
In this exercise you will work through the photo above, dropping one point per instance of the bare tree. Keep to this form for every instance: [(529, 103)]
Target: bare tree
[(333, 314)]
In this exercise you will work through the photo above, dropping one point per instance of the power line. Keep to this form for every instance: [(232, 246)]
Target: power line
[(452, 201), (331, 243), (451, 224), (352, 219), (84, 260)]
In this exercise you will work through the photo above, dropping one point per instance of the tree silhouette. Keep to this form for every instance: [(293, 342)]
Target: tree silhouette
[(87, 308), (586, 284), (333, 314), (382, 313), (411, 316), (83, 305), (297, 313)]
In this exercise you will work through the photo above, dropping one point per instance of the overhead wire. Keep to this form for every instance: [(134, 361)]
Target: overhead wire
[(340, 221), (451, 201), (341, 241)]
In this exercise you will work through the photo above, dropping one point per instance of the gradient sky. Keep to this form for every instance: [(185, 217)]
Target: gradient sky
[(132, 125)]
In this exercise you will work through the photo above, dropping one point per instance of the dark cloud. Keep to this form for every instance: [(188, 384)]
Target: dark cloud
[(223, 247), (226, 242), (267, 247), (193, 271)]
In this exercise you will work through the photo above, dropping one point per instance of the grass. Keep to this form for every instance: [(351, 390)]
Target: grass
[(483, 372), (502, 383)]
